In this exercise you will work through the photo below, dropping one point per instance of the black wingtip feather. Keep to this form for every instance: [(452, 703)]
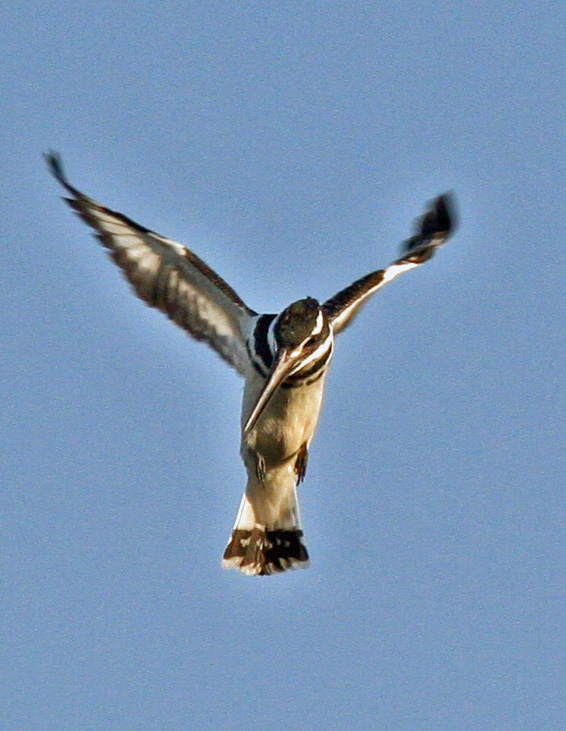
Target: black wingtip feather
[(55, 164), (445, 210), (438, 222)]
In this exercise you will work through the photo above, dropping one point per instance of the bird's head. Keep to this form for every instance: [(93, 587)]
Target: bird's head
[(300, 323), (301, 335)]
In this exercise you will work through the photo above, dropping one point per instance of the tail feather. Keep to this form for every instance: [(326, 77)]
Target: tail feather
[(260, 550)]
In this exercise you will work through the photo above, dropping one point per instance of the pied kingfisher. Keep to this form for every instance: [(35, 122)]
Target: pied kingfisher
[(283, 358)]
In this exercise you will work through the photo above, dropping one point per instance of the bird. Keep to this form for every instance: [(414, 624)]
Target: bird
[(284, 359)]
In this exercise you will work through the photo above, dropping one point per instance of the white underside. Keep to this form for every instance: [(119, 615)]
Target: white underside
[(278, 510), (287, 424)]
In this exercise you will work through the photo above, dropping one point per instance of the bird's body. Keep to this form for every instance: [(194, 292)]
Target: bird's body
[(283, 358), (275, 453)]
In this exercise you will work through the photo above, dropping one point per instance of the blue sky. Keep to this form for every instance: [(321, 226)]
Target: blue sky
[(290, 145)]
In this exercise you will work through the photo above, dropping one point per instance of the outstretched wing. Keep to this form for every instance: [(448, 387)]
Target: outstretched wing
[(168, 276), (431, 231)]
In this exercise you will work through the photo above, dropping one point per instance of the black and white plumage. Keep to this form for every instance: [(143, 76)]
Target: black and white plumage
[(283, 358)]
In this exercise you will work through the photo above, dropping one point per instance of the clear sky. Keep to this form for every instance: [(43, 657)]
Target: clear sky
[(289, 144)]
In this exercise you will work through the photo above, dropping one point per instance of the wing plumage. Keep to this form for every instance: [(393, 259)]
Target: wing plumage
[(431, 231), (166, 275)]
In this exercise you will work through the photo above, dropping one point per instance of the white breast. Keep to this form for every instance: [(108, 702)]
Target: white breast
[(288, 422)]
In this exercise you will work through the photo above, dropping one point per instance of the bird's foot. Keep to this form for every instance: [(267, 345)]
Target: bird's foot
[(260, 469), (301, 463)]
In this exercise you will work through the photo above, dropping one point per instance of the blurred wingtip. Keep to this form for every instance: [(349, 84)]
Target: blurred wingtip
[(446, 212), (54, 163), (437, 223)]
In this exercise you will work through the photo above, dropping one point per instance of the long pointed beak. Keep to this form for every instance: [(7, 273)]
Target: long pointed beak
[(282, 364)]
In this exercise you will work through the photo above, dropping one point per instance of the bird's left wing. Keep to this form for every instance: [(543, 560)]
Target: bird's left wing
[(432, 230), (168, 276)]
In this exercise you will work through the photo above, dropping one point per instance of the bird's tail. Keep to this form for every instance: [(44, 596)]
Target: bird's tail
[(259, 550)]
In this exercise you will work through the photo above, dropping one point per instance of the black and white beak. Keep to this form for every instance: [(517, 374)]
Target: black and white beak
[(284, 362)]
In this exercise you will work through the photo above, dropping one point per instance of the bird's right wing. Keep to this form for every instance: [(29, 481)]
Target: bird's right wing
[(432, 230), (168, 276)]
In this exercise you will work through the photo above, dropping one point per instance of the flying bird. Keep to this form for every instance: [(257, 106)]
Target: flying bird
[(283, 358)]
